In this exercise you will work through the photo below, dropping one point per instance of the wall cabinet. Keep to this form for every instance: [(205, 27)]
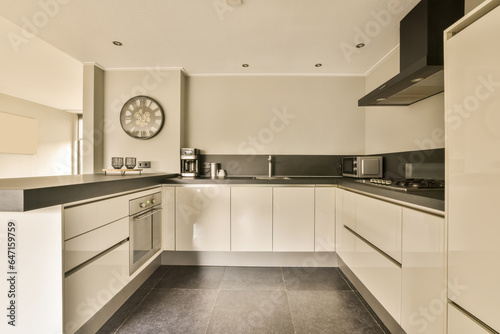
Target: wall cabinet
[(252, 219), (423, 273), (203, 218), (324, 219), (460, 323), (293, 219)]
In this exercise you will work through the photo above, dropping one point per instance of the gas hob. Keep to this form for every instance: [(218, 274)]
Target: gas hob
[(405, 184)]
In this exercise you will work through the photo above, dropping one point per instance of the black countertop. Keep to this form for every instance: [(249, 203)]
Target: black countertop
[(24, 194)]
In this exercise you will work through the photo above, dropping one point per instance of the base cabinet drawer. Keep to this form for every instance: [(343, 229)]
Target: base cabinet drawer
[(87, 290), (85, 246), (460, 323), (379, 274)]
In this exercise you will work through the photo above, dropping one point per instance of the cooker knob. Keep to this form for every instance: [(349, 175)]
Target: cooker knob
[(153, 201), (142, 205)]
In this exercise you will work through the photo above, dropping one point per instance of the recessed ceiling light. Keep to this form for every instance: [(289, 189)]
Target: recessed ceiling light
[(117, 43), (245, 65), (318, 65), (417, 80), (360, 45)]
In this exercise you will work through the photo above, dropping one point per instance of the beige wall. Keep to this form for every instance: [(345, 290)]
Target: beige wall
[(275, 115), (55, 141), (165, 87), (397, 129)]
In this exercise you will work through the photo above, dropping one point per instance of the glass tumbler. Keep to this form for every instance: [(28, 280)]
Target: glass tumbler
[(130, 162), (117, 162)]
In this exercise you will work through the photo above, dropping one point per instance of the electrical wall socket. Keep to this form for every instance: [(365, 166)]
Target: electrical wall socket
[(144, 164)]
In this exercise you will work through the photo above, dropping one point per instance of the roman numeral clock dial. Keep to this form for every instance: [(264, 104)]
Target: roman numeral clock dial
[(142, 117)]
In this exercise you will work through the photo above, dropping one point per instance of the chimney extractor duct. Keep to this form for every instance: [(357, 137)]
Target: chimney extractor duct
[(421, 55)]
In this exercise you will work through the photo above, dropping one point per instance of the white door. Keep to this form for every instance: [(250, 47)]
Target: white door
[(472, 69)]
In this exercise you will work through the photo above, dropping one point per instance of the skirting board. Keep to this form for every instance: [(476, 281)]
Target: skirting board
[(391, 324), (250, 259), (107, 311)]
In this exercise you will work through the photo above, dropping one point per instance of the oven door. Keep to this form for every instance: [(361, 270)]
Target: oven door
[(145, 236)]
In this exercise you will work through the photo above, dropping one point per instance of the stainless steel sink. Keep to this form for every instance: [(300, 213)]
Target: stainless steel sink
[(272, 178)]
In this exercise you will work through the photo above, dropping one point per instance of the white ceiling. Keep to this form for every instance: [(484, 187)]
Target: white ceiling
[(210, 37)]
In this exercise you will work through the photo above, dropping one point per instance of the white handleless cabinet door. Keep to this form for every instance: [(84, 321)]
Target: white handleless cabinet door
[(293, 219), (459, 323), (324, 219), (349, 209), (423, 273), (203, 218), (472, 97), (252, 219), (379, 222), (168, 218)]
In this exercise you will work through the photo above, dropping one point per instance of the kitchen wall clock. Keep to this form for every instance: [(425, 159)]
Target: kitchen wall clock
[(142, 117)]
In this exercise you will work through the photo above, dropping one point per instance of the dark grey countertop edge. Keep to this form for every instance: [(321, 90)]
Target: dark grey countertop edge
[(35, 198)]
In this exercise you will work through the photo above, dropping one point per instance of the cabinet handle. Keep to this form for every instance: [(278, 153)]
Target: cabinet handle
[(147, 214)]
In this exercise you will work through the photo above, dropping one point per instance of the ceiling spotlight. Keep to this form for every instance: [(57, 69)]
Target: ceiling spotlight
[(318, 65), (245, 65), (117, 43), (360, 45)]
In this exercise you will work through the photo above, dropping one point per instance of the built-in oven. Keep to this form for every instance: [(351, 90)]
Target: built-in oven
[(145, 229)]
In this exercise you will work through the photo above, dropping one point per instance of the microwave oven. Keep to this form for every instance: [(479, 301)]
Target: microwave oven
[(362, 167)]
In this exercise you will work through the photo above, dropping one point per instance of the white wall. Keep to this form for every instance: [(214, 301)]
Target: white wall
[(165, 86), (398, 129), (275, 114), (55, 141)]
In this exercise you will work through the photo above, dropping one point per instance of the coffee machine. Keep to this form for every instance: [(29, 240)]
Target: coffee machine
[(189, 162)]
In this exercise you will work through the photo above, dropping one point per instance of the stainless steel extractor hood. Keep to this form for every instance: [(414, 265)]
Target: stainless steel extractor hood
[(421, 55)]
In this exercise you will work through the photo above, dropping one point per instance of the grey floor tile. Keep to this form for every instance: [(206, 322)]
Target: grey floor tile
[(336, 312), (155, 277), (252, 278), (246, 311), (191, 277), (123, 312), (301, 278), (172, 311)]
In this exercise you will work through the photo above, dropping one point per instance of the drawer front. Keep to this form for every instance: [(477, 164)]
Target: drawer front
[(89, 289), (379, 222), (90, 244), (380, 275), (459, 323), (86, 217)]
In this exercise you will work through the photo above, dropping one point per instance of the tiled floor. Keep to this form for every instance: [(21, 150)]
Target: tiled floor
[(178, 299)]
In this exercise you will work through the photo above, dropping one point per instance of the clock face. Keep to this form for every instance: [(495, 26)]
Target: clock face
[(142, 117)]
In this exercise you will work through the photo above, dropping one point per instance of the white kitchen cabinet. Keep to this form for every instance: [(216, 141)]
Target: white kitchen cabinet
[(85, 246), (379, 222), (88, 289), (324, 219), (168, 219), (349, 210), (460, 323), (423, 273), (380, 275), (293, 219), (252, 219), (472, 102), (85, 217), (202, 220)]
